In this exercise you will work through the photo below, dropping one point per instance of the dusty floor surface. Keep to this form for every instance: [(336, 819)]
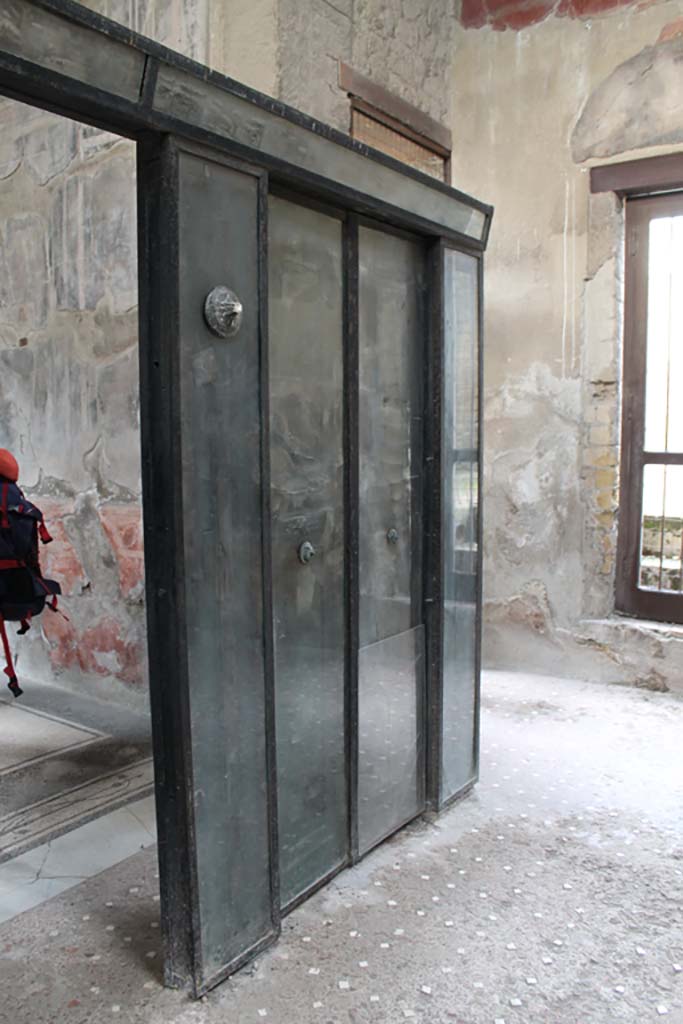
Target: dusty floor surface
[(552, 895), (66, 758)]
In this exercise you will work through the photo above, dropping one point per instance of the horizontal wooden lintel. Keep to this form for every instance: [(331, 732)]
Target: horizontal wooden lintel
[(640, 177)]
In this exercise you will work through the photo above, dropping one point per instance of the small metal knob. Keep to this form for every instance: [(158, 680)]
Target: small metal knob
[(392, 535), (223, 312), (306, 552)]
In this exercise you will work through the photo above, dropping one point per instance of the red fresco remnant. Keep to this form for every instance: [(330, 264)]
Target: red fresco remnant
[(89, 639), (59, 560), (63, 640), (101, 650), (123, 527), (670, 31), (519, 14), (105, 652)]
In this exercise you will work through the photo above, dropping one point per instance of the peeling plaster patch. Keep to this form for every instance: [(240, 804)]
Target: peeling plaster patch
[(654, 681), (24, 295), (559, 531), (537, 384), (637, 105), (123, 527), (599, 646), (97, 556), (529, 608), (601, 313), (670, 31), (605, 231), (532, 483)]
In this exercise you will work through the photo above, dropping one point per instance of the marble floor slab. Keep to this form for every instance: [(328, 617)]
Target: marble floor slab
[(26, 736)]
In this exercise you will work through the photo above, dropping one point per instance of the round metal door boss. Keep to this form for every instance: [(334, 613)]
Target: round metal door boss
[(223, 312), (306, 552)]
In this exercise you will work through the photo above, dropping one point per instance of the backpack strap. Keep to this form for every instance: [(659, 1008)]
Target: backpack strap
[(13, 684), (4, 518)]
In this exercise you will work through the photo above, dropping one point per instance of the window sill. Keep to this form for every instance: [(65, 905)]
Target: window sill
[(671, 630)]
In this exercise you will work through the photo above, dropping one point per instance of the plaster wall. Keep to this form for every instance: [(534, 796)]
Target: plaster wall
[(69, 387), (535, 94), (69, 403), (533, 109)]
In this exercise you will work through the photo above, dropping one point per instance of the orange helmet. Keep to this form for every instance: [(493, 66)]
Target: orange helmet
[(9, 467)]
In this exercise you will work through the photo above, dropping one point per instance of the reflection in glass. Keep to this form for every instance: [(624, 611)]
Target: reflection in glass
[(661, 548), (390, 744), (663, 408), (391, 677), (461, 512), (390, 427), (306, 405)]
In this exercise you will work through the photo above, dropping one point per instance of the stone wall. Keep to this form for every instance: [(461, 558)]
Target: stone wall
[(404, 45), (533, 110)]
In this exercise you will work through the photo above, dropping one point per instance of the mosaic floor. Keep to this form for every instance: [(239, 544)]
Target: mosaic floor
[(552, 895), (66, 758)]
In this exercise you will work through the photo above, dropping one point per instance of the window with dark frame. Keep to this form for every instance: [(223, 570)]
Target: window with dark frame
[(650, 546), (390, 124)]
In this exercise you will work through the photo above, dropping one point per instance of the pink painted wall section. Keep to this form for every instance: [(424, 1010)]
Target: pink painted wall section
[(520, 14), (123, 527), (101, 630), (59, 560)]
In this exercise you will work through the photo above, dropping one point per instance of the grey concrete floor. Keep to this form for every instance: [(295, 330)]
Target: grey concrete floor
[(552, 895)]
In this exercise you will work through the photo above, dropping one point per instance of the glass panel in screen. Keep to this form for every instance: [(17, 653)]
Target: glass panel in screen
[(306, 406), (661, 549), (219, 401), (663, 407), (391, 676), (390, 779), (461, 510)]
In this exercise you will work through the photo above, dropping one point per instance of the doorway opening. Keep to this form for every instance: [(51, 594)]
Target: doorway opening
[(77, 744)]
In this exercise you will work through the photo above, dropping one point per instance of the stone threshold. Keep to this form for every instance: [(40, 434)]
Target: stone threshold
[(48, 819)]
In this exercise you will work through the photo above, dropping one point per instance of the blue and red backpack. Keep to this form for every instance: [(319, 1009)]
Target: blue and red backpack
[(24, 592)]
